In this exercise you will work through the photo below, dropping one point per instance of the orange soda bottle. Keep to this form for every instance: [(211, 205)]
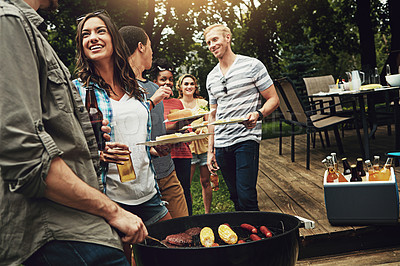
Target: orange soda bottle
[(332, 176), (372, 174), (375, 165), (384, 173)]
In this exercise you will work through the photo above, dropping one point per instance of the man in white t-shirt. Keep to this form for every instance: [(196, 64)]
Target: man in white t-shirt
[(234, 87)]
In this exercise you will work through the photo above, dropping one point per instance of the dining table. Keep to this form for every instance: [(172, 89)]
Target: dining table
[(368, 116)]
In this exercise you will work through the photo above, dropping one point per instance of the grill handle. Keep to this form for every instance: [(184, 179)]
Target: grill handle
[(306, 223)]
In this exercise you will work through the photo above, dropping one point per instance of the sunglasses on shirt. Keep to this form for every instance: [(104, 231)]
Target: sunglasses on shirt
[(223, 81)]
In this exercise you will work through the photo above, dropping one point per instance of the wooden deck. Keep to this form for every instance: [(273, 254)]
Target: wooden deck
[(288, 187)]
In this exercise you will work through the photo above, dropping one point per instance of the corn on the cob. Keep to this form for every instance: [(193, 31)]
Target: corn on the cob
[(227, 234), (207, 237)]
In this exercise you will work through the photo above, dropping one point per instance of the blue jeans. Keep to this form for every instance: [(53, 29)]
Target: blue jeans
[(68, 253), (182, 169), (239, 167)]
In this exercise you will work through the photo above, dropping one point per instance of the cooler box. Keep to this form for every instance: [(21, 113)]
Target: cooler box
[(362, 203)]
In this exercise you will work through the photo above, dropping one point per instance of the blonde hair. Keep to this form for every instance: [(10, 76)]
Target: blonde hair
[(224, 29), (196, 93)]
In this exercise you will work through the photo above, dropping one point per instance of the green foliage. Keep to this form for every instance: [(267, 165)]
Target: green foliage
[(291, 37)]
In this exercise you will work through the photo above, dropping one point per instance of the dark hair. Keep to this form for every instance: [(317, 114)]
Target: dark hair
[(123, 73), (132, 35), (159, 65)]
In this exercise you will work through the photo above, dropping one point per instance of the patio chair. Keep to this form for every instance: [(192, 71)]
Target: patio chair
[(287, 116), (304, 116), (321, 84)]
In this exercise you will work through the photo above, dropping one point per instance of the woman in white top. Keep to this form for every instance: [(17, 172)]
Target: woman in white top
[(188, 89), (102, 63)]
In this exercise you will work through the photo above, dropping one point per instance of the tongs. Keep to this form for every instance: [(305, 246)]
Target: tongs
[(155, 239)]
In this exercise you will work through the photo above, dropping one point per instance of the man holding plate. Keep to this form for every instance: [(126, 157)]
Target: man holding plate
[(234, 87)]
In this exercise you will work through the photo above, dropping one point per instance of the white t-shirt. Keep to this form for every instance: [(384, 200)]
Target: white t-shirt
[(130, 125)]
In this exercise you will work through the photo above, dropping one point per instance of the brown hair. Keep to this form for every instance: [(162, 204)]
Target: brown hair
[(196, 93), (123, 73)]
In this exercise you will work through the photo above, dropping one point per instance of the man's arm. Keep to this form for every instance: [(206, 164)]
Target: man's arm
[(272, 102), (211, 161), (64, 187)]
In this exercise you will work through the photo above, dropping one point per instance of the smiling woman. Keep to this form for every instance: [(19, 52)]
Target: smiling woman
[(102, 63), (189, 95)]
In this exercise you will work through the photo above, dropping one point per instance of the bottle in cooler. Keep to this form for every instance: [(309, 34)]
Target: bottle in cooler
[(360, 168), (354, 174), (371, 171), (384, 173), (332, 176), (346, 169)]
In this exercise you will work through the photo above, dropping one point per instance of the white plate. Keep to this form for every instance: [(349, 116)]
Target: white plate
[(193, 127), (186, 118), (175, 140), (229, 121)]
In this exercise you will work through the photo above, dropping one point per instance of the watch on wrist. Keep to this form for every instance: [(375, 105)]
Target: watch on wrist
[(260, 115)]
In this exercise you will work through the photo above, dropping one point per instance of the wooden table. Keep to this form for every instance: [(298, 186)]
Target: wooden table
[(359, 96)]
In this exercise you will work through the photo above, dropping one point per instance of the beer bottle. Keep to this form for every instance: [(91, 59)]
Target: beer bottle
[(384, 173), (372, 175), (354, 174), (360, 168), (96, 116), (346, 169), (214, 181)]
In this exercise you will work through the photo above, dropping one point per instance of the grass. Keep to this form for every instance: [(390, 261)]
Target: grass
[(221, 201)]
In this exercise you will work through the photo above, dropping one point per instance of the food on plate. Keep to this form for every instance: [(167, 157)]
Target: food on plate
[(237, 119), (207, 237), (227, 234), (370, 86), (194, 231), (255, 237), (181, 239), (179, 114), (201, 112), (241, 241), (249, 227), (265, 231), (169, 136), (221, 121)]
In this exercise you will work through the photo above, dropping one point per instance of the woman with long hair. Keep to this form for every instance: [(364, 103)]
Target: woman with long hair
[(102, 63), (189, 95)]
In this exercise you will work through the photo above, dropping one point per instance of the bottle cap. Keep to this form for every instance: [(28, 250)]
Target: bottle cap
[(343, 159), (359, 159), (353, 166), (367, 161)]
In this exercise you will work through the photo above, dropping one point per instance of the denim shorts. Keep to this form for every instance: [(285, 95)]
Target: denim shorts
[(199, 159), (150, 211)]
